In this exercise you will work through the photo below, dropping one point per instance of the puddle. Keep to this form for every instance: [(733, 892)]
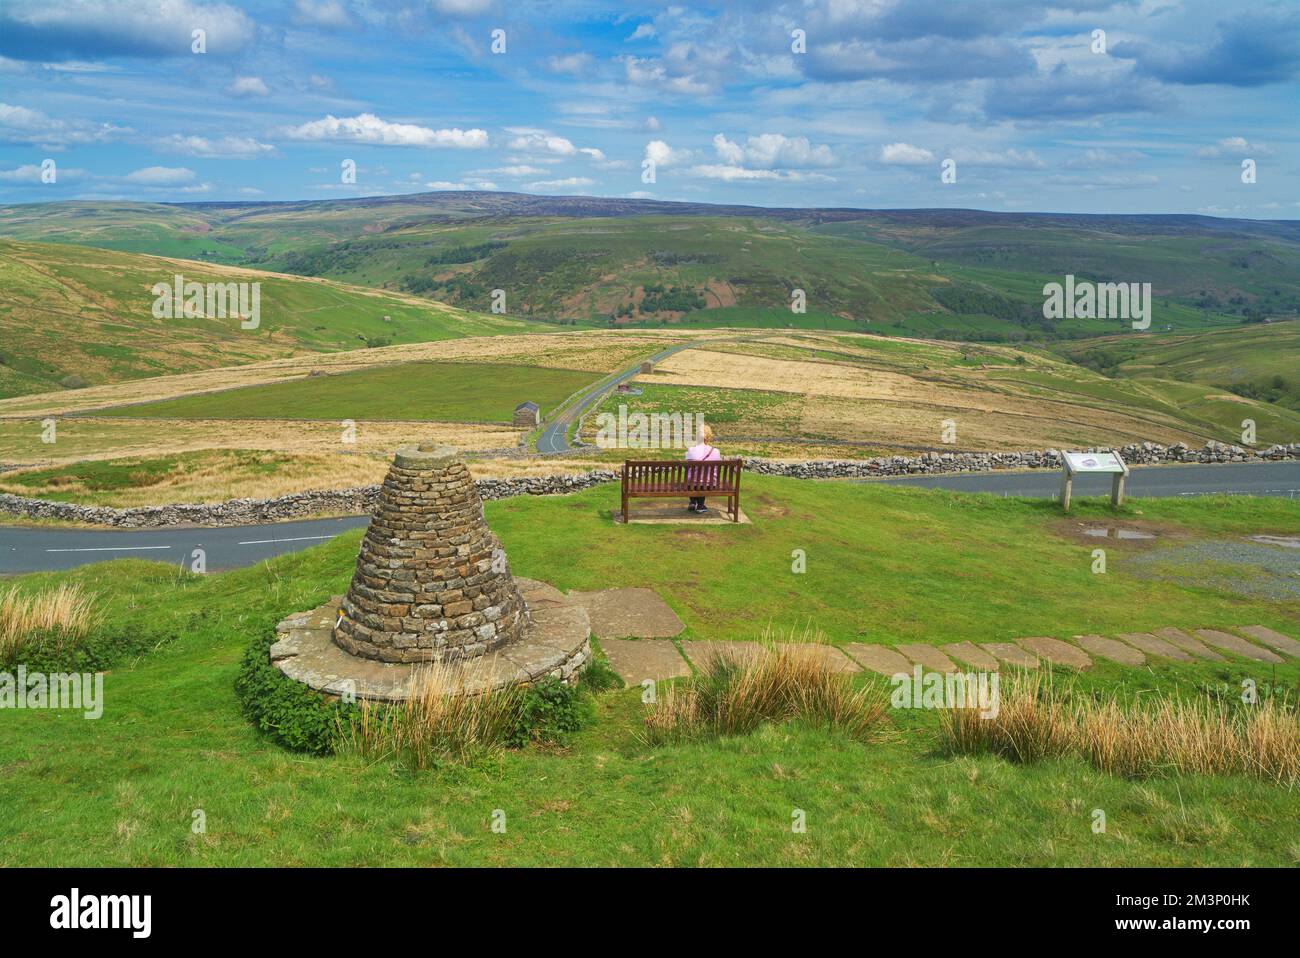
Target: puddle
[(1289, 542), (1110, 532)]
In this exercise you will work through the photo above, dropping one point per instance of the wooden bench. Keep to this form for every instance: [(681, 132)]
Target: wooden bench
[(676, 479)]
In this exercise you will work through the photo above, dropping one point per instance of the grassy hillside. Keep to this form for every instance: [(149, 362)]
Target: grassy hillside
[(956, 274), (1260, 361), (85, 312), (940, 567)]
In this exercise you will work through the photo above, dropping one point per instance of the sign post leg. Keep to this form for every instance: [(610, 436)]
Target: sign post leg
[(1067, 483), (1117, 490)]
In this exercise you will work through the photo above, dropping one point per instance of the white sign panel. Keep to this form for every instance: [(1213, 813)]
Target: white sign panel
[(1078, 462)]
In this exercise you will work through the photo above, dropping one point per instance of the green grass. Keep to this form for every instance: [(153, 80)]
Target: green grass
[(446, 392), (77, 310), (886, 564)]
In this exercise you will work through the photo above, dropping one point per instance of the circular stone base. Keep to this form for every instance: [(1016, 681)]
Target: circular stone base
[(557, 644)]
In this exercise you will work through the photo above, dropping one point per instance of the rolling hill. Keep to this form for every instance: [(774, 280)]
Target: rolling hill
[(955, 274), (77, 316)]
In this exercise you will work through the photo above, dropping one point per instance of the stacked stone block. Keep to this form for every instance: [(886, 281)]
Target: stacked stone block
[(432, 582)]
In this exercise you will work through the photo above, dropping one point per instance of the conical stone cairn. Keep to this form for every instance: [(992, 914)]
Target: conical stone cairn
[(432, 582)]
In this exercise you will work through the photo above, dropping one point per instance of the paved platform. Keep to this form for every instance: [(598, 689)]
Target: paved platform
[(1112, 649), (641, 659), (1149, 644), (1274, 640), (1187, 643), (704, 652), (928, 657), (673, 512), (1011, 654), (556, 644), (972, 655), (878, 658), (628, 614)]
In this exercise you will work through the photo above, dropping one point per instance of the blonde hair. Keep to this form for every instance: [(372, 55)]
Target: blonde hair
[(706, 433)]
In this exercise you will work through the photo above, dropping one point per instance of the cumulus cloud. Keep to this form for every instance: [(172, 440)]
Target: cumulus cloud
[(368, 128), (1245, 51), (20, 124), (540, 141), (43, 31), (905, 154), (643, 31), (664, 155), (773, 151), (248, 86)]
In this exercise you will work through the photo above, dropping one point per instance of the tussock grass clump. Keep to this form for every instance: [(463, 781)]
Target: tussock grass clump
[(440, 725), (435, 725), (1037, 720), (62, 615), (781, 682)]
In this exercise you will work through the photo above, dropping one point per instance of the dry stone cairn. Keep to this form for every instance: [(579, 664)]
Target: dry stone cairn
[(432, 582)]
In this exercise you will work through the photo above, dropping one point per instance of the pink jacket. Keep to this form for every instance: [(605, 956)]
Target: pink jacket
[(702, 452)]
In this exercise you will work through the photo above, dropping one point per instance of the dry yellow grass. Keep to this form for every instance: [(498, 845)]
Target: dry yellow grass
[(1035, 720), (64, 614), (594, 350), (784, 680), (109, 438), (436, 724)]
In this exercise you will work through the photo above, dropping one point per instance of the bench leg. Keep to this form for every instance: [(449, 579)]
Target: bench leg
[(625, 508)]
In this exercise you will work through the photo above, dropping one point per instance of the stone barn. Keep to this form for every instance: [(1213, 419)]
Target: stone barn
[(528, 415)]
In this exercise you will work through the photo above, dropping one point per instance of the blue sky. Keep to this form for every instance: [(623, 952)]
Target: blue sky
[(716, 95)]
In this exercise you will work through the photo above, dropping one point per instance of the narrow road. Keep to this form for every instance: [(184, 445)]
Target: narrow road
[(29, 549), (554, 436), (1237, 478)]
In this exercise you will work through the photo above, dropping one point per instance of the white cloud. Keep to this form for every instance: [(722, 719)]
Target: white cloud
[(368, 128), (722, 171), (322, 13), (228, 147), (569, 183), (905, 154), (518, 170), (159, 176), (1234, 146), (573, 63), (96, 29), (539, 141), (248, 86), (773, 151), (19, 124), (1011, 159), (644, 31), (664, 155), (652, 124)]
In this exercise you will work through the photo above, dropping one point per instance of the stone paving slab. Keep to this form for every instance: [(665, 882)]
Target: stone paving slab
[(1056, 651), (1237, 645), (673, 512), (878, 658), (1111, 649), (629, 614), (1274, 640), (1188, 644), (638, 660), (1149, 644), (1011, 654), (703, 652), (830, 656), (972, 655), (928, 657)]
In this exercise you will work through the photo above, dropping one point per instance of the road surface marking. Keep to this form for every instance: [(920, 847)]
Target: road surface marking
[(111, 549), (262, 542)]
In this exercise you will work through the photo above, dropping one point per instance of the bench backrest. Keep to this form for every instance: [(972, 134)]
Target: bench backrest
[(675, 475)]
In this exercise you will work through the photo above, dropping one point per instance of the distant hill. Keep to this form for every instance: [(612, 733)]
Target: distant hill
[(75, 315), (957, 274)]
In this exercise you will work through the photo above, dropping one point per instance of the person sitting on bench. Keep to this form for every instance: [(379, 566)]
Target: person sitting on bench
[(702, 451)]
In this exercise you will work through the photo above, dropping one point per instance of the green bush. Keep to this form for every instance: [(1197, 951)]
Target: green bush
[(550, 711), (100, 649), (289, 712)]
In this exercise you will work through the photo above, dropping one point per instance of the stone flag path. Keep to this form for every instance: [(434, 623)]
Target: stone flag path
[(659, 659)]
